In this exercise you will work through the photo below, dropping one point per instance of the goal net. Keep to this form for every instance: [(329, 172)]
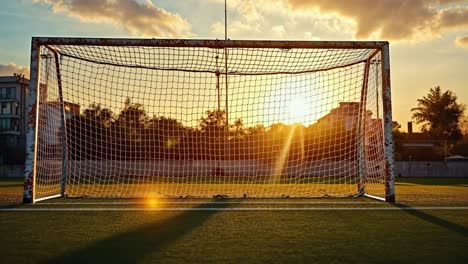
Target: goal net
[(193, 118)]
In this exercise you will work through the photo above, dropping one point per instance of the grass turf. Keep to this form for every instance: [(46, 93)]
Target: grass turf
[(401, 236)]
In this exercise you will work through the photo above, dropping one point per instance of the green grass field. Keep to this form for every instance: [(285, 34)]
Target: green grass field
[(416, 230)]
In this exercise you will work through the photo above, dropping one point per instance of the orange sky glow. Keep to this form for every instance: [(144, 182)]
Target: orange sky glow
[(428, 38)]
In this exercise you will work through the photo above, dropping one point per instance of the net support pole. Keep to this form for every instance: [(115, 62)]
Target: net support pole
[(62, 125), (226, 65), (33, 119), (226, 85), (387, 123), (362, 132)]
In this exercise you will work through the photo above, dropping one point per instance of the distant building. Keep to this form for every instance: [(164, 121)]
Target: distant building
[(418, 140), (345, 118), (419, 146), (346, 115), (13, 118), (14, 92), (13, 109), (52, 119)]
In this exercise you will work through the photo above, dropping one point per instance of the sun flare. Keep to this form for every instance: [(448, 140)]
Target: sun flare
[(152, 202)]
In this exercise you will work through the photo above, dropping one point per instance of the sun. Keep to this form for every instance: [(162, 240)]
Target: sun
[(297, 102), (298, 110)]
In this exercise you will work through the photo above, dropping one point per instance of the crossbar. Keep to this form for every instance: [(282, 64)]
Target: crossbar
[(211, 43)]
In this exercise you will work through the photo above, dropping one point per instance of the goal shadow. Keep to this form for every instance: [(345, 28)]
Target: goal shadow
[(134, 245), (433, 219)]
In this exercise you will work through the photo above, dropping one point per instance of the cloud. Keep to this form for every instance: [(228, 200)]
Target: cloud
[(449, 1), (138, 18), (248, 19), (266, 19), (234, 28), (393, 19), (462, 41), (279, 30), (309, 36), (454, 17), (12, 68), (413, 20), (249, 12)]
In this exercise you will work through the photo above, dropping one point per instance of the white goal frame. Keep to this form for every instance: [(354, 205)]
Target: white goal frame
[(381, 47)]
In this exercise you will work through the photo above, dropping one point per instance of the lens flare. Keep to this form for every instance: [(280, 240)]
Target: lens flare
[(152, 202)]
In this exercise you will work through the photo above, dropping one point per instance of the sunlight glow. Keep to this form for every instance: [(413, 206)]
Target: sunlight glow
[(297, 101), (281, 159), (152, 202), (297, 110)]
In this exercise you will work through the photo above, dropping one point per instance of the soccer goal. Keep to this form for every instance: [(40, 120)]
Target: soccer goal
[(144, 118)]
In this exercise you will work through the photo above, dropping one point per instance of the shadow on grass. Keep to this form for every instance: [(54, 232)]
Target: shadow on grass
[(434, 220), (10, 204), (134, 245), (12, 179), (10, 185)]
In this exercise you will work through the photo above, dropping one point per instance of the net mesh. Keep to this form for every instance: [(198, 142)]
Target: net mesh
[(163, 122)]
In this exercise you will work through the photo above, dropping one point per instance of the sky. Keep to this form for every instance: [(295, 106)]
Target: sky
[(428, 38)]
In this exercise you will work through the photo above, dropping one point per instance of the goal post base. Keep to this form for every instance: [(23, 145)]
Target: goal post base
[(390, 199), (374, 197), (27, 200), (47, 198)]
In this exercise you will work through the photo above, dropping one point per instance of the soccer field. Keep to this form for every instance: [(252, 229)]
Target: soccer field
[(428, 225)]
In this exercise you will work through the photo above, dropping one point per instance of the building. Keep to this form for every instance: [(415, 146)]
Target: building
[(13, 109), (343, 121), (346, 115), (414, 146), (418, 139), (13, 118), (51, 125), (14, 92)]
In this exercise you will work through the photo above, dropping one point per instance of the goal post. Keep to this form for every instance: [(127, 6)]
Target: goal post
[(387, 111), (140, 118)]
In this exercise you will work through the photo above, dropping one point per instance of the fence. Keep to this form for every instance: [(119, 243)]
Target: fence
[(431, 168), (11, 171)]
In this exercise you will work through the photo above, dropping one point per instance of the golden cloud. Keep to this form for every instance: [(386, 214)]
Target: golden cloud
[(10, 69), (454, 17), (391, 19), (462, 41), (137, 18)]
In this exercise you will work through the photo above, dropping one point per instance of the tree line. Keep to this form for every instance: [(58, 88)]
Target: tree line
[(98, 133)]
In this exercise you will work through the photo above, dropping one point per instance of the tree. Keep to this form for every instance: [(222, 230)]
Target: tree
[(214, 131), (238, 129), (463, 124), (163, 137), (89, 129), (439, 114), (100, 115), (397, 134), (396, 126), (461, 147), (132, 116), (215, 121), (128, 130)]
